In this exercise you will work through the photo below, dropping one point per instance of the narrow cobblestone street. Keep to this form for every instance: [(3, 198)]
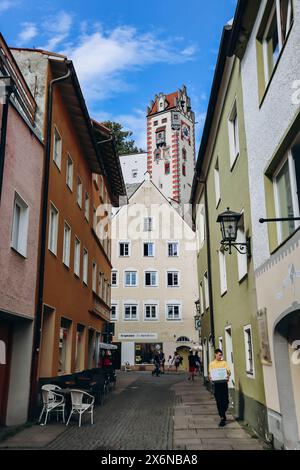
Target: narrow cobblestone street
[(147, 413)]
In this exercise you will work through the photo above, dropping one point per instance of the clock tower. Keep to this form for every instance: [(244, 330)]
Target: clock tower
[(171, 144)]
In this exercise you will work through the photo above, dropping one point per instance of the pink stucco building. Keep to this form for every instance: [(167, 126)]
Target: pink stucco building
[(21, 175)]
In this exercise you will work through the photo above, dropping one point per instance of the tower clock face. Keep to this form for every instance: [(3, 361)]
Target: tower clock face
[(185, 132)]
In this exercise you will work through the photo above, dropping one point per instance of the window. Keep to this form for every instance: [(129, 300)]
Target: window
[(150, 279), (148, 224), (67, 244), (233, 129), (77, 257), (274, 33), (87, 207), (79, 192), (65, 342), (201, 298), (114, 312), (173, 279), (94, 281), (155, 123), (173, 249), (148, 249), (85, 266), (217, 183), (79, 352), (134, 173), (69, 179), (130, 278), (167, 168), (163, 121), (19, 233), (223, 276), (173, 312), (150, 312), (242, 257), (114, 278), (53, 229), (130, 312), (206, 292), (57, 148), (183, 169), (184, 154), (124, 249), (101, 284), (160, 137), (200, 223), (249, 350), (287, 191), (94, 219)]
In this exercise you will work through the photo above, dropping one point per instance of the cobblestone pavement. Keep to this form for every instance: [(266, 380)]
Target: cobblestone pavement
[(144, 412)]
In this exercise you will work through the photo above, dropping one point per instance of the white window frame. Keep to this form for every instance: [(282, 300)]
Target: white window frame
[(69, 174), (57, 160), (129, 246), (234, 141), (173, 242), (79, 192), (217, 183), (151, 304), (206, 290), (148, 225), (200, 224), (292, 175), (19, 231), (94, 276), (116, 305), (116, 272), (222, 272), (85, 266), (173, 304), (173, 271), (143, 247), (87, 206), (137, 311), (201, 298), (131, 271), (77, 256), (242, 258), (94, 219), (250, 374), (52, 248), (152, 271), (67, 244)]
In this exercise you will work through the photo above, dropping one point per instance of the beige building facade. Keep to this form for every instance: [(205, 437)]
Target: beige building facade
[(153, 294)]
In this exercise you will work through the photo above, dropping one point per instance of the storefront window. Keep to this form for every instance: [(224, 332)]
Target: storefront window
[(79, 359), (64, 345), (144, 352)]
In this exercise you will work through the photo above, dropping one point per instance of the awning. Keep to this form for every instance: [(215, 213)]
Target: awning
[(107, 346)]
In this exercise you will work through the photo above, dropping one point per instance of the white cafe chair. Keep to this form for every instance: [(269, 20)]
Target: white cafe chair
[(81, 402), (52, 401)]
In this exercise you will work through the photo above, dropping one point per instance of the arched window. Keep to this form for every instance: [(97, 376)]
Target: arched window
[(183, 339)]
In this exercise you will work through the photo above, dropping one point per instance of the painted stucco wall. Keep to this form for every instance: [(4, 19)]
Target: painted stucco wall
[(132, 162), (150, 198), (266, 125)]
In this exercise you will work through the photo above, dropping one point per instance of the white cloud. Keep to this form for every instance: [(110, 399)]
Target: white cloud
[(102, 58), (7, 4), (28, 32), (57, 28)]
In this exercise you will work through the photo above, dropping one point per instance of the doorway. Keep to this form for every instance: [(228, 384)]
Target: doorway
[(5, 345)]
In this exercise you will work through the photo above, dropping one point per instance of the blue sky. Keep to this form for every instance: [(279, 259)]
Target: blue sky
[(126, 51)]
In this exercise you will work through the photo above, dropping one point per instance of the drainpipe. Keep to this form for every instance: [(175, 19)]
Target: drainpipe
[(39, 311), (6, 95)]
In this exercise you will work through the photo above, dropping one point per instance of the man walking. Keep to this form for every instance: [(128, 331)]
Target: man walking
[(156, 364), (219, 374), (191, 359)]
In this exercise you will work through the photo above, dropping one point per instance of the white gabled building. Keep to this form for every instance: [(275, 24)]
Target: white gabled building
[(134, 167), (153, 292), (171, 144)]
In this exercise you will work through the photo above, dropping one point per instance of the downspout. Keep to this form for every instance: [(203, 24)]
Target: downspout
[(39, 311), (8, 91)]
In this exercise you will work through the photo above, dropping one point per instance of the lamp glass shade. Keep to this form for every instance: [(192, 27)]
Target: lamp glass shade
[(229, 225)]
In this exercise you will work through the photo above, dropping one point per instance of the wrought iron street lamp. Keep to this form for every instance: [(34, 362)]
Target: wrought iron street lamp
[(229, 221)]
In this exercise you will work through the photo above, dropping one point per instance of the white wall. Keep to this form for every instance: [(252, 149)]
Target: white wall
[(132, 162)]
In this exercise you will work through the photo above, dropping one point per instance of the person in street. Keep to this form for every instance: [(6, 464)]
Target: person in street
[(191, 359), (197, 363), (177, 361), (162, 361), (170, 362), (220, 388), (156, 365)]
